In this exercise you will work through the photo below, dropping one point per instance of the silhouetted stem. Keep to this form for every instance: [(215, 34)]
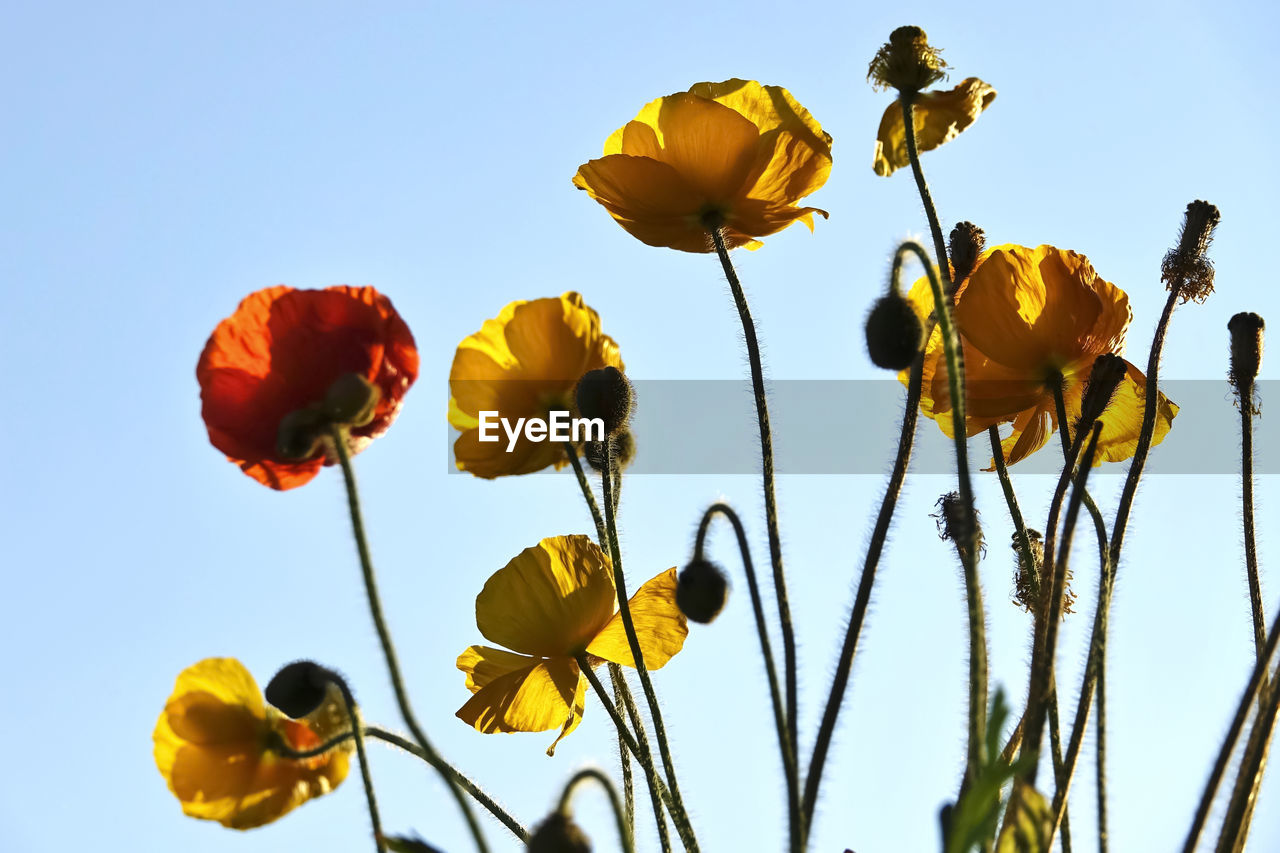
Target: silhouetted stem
[(766, 456), (581, 776), (339, 443), (1021, 538)]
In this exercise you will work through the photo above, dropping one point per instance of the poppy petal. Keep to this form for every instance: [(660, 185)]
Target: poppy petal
[(660, 626)]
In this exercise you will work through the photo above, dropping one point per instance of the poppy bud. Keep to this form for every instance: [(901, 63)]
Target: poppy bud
[(624, 451), (299, 688), (952, 523), (893, 332), (605, 394), (701, 591), (966, 244), (559, 834), (1246, 350), (1108, 371), (298, 436), (1187, 268), (351, 400), (907, 62)]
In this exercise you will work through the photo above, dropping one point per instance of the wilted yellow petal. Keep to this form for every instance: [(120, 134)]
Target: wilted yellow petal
[(939, 117), (660, 626)]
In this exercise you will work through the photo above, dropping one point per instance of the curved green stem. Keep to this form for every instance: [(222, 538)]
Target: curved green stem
[(658, 792), (339, 444), (797, 826), (1021, 537), (766, 456), (862, 598), (628, 845)]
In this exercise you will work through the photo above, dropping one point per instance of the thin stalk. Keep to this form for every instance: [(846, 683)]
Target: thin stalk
[(1250, 546), (862, 598), (770, 498), (1100, 750), (1064, 435), (1055, 745), (1055, 602), (1015, 513), (679, 815), (628, 845), (339, 443), (658, 792), (796, 825), (587, 495), (1247, 700), (378, 733), (624, 757), (943, 297), (357, 734), (1235, 827)]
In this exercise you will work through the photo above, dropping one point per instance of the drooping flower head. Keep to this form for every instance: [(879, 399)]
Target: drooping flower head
[(555, 601), (215, 745), (734, 154), (281, 353), (1030, 318), (523, 363)]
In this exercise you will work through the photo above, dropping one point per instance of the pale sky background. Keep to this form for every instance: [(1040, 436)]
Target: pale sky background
[(159, 161)]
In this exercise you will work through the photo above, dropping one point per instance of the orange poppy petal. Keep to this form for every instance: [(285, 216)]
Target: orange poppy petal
[(550, 600), (649, 199), (709, 145), (660, 626)]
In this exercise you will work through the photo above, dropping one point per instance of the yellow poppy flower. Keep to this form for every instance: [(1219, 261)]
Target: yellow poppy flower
[(736, 153), (1027, 317), (939, 117), (555, 601), (523, 363), (213, 745)]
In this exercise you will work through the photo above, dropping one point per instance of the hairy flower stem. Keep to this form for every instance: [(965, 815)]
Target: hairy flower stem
[(1251, 694), (615, 672), (378, 733), (797, 830), (766, 456), (679, 815), (1100, 750), (1250, 546), (658, 792), (357, 734), (943, 298), (862, 598), (624, 833), (1235, 827), (1056, 604), (967, 545), (339, 443), (1025, 556)]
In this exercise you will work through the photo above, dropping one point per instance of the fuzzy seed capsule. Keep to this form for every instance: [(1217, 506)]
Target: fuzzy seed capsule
[(1246, 330), (559, 833), (701, 591), (606, 394), (965, 246), (893, 333), (1186, 268), (906, 62)]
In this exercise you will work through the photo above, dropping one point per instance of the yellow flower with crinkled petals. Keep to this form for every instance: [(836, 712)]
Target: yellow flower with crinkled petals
[(737, 155), (939, 117), (215, 744), (1029, 319), (551, 603), (524, 363)]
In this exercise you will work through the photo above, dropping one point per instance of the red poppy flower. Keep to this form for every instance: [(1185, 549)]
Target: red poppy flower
[(280, 352)]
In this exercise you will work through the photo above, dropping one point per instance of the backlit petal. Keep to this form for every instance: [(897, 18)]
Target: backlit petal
[(549, 601), (539, 697), (660, 626), (939, 117)]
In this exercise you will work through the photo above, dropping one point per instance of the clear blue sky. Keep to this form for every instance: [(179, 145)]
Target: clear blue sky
[(161, 160)]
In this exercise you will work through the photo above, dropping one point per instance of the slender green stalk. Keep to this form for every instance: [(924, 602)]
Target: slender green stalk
[(658, 792), (1063, 785), (862, 598), (339, 443), (1235, 827), (624, 833), (615, 672), (1250, 546), (1100, 748), (1015, 514), (1055, 745), (679, 815), (1064, 435), (943, 297), (797, 826), (476, 792), (357, 734), (770, 498), (1251, 693), (624, 757)]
